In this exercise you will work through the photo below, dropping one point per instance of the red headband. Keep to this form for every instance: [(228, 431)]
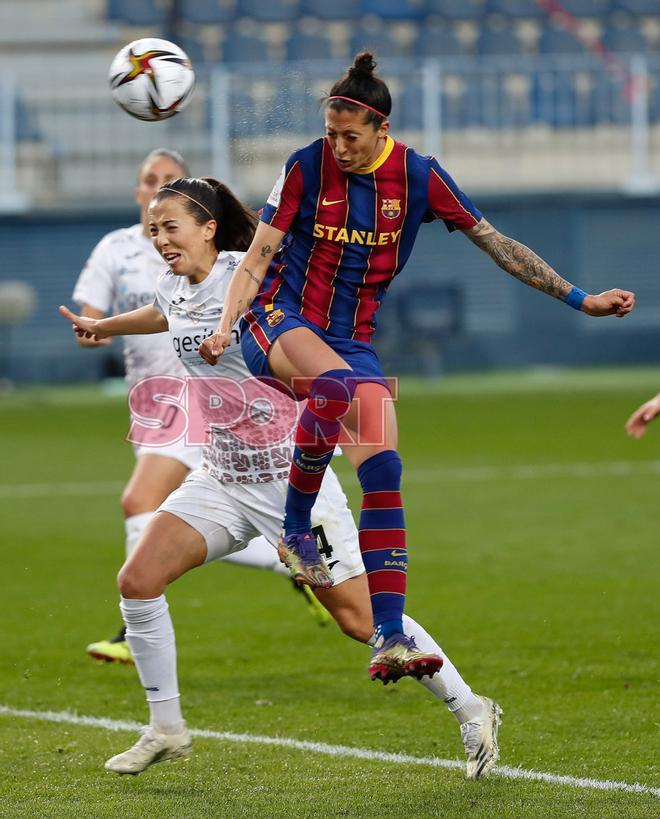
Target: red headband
[(357, 102)]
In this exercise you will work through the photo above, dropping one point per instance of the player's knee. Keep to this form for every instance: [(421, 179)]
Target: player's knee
[(134, 503), (134, 584)]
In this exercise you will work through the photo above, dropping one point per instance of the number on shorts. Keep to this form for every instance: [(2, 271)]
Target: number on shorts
[(324, 547)]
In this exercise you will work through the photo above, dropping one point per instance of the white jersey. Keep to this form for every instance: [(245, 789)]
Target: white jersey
[(253, 443), (120, 275)]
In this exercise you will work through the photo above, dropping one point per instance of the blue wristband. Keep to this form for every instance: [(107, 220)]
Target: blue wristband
[(575, 298)]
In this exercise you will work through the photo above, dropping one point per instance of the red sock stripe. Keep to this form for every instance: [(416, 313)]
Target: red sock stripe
[(307, 482), (382, 500), (391, 581), (315, 443), (371, 539)]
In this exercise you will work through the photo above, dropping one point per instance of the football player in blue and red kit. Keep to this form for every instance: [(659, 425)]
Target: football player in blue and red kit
[(339, 225)]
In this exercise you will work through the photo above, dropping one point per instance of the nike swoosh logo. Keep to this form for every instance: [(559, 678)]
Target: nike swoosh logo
[(396, 553), (325, 202), (333, 564)]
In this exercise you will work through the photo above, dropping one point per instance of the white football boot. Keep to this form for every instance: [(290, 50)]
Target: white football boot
[(152, 747), (480, 740)]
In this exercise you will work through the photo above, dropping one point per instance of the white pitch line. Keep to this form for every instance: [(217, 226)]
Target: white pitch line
[(504, 771), (47, 490), (521, 472)]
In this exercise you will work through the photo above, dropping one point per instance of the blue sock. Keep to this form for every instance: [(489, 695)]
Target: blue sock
[(382, 533)]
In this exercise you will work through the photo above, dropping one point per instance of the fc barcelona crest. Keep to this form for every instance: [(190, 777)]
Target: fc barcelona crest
[(274, 318), (390, 208)]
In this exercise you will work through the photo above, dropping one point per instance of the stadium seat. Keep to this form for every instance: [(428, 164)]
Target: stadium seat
[(273, 11), (501, 40), (244, 48), (654, 101), (308, 46), (572, 99), (375, 35), (515, 101), (336, 10), (558, 41), (612, 95), (457, 9), (26, 130), (650, 7), (407, 111), (248, 116), (628, 39), (139, 12), (587, 8), (438, 39), (245, 116), (394, 9), (194, 49), (208, 11), (430, 314), (554, 99), (461, 101), (293, 110), (526, 9)]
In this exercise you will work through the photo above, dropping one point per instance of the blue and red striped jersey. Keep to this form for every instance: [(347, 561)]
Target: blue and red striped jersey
[(349, 234)]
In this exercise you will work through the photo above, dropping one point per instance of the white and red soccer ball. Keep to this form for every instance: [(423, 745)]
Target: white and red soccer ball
[(152, 79)]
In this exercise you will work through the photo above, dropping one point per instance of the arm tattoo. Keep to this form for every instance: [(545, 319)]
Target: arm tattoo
[(518, 260), (266, 250), (236, 314), (252, 276)]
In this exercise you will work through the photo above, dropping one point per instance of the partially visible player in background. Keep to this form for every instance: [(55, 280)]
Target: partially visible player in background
[(640, 419), (120, 275)]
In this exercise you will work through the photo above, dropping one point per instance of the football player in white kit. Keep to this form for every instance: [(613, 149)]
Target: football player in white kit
[(120, 275), (239, 491)]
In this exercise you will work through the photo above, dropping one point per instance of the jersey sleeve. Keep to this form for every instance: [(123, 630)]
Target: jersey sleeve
[(448, 202), (96, 283), (284, 201), (162, 297)]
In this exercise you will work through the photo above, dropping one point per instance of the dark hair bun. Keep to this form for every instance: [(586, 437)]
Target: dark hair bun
[(363, 66)]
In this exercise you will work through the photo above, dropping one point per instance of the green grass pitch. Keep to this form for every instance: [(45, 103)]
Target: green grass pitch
[(533, 533)]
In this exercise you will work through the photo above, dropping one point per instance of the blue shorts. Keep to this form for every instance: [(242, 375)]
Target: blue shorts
[(260, 327)]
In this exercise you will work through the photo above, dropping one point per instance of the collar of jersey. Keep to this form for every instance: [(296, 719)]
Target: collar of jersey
[(387, 150)]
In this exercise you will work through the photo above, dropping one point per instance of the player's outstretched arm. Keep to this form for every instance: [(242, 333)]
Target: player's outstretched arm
[(642, 417), (243, 287), (143, 321), (527, 267)]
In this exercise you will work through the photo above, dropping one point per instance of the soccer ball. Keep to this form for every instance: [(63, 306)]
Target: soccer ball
[(152, 79)]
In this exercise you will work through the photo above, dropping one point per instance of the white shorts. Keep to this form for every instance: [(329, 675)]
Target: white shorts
[(249, 510), (190, 456)]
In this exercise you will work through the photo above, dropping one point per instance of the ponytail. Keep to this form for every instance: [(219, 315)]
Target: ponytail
[(207, 199), (361, 89), (236, 222)]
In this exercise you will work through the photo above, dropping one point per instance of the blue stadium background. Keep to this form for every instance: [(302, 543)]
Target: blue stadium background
[(559, 79)]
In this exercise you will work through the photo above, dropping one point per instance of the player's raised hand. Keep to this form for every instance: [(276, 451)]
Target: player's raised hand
[(610, 303), (214, 346), (85, 328), (642, 417)]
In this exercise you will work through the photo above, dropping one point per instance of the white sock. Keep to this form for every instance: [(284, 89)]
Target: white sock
[(259, 554), (447, 684), (150, 636), (135, 525)]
